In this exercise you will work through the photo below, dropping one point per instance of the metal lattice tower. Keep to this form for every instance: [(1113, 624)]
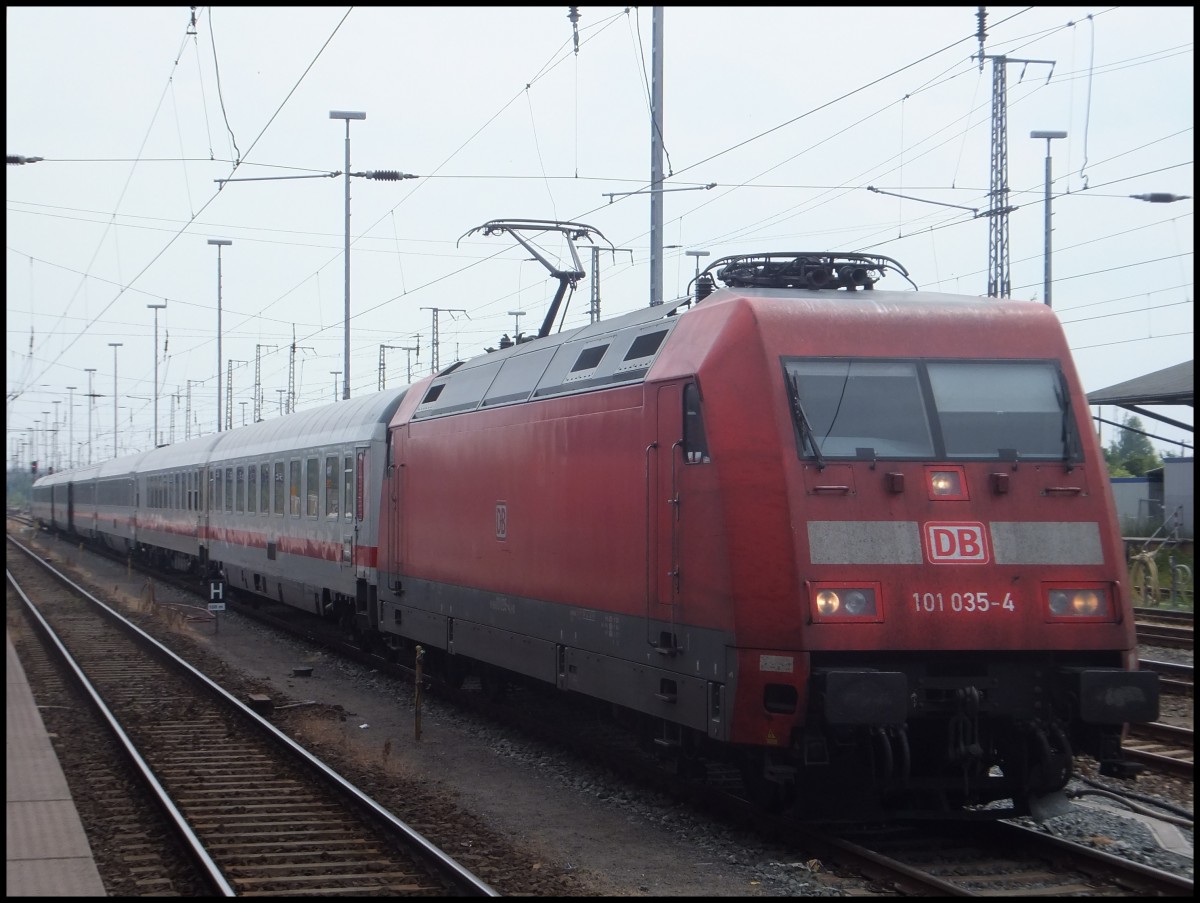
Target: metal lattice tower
[(998, 272), (383, 364), (594, 307), (291, 389), (436, 337), (999, 209), (997, 213), (229, 392), (258, 402)]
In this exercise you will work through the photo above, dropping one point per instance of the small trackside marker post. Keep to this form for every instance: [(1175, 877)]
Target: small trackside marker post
[(417, 691)]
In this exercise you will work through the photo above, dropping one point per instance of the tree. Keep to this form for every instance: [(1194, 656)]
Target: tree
[(1131, 452)]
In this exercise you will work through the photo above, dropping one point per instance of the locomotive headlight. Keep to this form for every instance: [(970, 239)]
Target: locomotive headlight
[(857, 603), (828, 602), (840, 603), (1078, 603), (947, 482)]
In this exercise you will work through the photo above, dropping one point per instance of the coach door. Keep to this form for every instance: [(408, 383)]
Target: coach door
[(664, 467), (354, 481)]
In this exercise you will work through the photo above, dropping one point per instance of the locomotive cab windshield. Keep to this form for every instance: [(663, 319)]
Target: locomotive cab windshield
[(930, 409)]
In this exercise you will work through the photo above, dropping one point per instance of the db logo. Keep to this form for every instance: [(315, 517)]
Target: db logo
[(958, 543)]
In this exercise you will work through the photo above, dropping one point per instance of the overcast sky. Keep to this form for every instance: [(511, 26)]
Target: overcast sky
[(793, 113)]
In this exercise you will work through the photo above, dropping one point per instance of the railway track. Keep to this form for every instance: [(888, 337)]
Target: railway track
[(901, 868), (258, 814), (992, 859), (1175, 678), (1169, 628), (1163, 747)]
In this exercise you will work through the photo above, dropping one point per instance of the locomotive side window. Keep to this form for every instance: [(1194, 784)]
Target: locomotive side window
[(294, 487), (331, 486), (589, 358), (645, 345), (312, 486), (986, 406), (695, 440)]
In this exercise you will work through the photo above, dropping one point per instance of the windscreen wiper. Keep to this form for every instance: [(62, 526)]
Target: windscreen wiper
[(806, 430), (1064, 404)]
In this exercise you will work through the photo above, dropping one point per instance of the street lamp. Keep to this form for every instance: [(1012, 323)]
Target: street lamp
[(219, 242), (156, 308), (115, 346), (1049, 136), (516, 314), (384, 175), (347, 115)]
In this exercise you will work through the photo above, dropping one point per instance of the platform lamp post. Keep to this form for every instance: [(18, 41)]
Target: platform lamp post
[(156, 308), (1049, 136), (220, 243), (115, 346), (336, 374), (347, 115), (385, 175)]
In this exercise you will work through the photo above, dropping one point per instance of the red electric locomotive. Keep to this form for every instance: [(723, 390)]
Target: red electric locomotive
[(861, 541)]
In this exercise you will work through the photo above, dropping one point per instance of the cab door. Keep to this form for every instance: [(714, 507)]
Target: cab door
[(663, 471)]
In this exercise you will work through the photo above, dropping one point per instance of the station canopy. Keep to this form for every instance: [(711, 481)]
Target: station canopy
[(1168, 386)]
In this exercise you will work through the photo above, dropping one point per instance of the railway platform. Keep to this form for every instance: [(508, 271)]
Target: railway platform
[(47, 851)]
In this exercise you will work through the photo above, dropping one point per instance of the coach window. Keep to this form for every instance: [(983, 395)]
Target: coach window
[(294, 487), (312, 486), (695, 440), (280, 488), (264, 489), (240, 498), (252, 489), (332, 486), (348, 486), (229, 489), (217, 496)]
